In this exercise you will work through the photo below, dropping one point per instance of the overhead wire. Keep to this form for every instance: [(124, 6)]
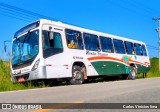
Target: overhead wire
[(15, 15), (26, 11), (11, 11), (152, 47), (16, 9), (138, 6), (146, 7), (25, 15), (142, 7), (122, 5)]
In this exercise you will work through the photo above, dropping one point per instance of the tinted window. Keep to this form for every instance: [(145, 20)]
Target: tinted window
[(45, 40), (119, 47), (144, 50), (52, 41), (57, 40), (129, 47), (91, 42), (74, 39), (138, 49), (25, 48), (106, 44), (26, 28)]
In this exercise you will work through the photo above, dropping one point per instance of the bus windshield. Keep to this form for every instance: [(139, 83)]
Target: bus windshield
[(25, 48)]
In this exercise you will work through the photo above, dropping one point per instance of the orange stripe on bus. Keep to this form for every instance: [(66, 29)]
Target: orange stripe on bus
[(103, 57), (115, 59)]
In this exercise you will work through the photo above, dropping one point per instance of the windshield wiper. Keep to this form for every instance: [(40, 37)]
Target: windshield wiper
[(27, 36), (18, 44)]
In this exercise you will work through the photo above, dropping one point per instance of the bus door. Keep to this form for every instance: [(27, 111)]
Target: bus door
[(53, 51)]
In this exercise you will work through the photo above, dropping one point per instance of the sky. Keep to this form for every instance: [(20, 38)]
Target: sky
[(127, 18)]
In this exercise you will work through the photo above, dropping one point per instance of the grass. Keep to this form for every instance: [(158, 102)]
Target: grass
[(7, 85), (154, 69), (154, 72)]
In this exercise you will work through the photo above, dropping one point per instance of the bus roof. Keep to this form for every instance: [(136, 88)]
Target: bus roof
[(73, 27)]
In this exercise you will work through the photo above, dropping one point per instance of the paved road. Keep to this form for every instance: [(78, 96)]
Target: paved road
[(126, 91)]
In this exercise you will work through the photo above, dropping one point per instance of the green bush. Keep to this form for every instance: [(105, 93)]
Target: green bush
[(5, 83), (154, 71)]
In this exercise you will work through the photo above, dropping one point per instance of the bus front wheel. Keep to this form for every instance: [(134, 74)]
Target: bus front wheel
[(77, 75)]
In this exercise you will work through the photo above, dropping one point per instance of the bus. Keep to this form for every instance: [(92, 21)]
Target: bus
[(47, 49)]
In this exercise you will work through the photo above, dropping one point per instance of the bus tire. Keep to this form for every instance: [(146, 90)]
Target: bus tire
[(132, 75), (77, 75)]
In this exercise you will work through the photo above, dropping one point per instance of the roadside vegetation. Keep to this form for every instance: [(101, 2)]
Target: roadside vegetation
[(7, 85), (154, 69)]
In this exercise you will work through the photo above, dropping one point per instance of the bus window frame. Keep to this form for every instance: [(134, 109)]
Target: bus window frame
[(119, 46), (81, 35), (50, 51), (141, 52), (133, 50), (112, 51), (145, 50), (99, 47)]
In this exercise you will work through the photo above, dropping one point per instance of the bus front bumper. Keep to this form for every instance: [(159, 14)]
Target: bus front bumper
[(39, 73)]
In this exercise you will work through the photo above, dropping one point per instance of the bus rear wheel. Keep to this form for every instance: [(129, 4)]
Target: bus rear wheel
[(132, 75), (77, 75)]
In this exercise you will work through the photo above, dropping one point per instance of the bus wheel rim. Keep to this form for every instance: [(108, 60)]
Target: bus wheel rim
[(77, 75)]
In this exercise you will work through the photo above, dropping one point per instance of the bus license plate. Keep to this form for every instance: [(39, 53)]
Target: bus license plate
[(21, 79)]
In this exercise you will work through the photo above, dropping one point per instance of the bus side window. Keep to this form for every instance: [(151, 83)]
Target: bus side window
[(144, 50), (129, 48), (74, 39), (57, 42), (106, 44), (45, 40), (138, 49), (91, 42), (119, 46), (51, 41)]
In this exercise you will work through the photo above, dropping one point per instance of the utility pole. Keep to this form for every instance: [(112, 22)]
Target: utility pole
[(158, 30)]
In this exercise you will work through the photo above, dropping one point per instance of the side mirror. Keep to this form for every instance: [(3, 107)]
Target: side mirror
[(5, 46)]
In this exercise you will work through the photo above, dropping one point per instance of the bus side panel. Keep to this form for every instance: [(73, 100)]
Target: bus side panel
[(56, 66), (110, 67), (91, 69), (109, 64), (79, 56)]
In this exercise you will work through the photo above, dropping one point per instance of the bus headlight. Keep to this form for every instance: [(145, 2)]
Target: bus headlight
[(36, 65)]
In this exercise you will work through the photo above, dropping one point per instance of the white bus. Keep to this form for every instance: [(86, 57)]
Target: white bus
[(47, 49)]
